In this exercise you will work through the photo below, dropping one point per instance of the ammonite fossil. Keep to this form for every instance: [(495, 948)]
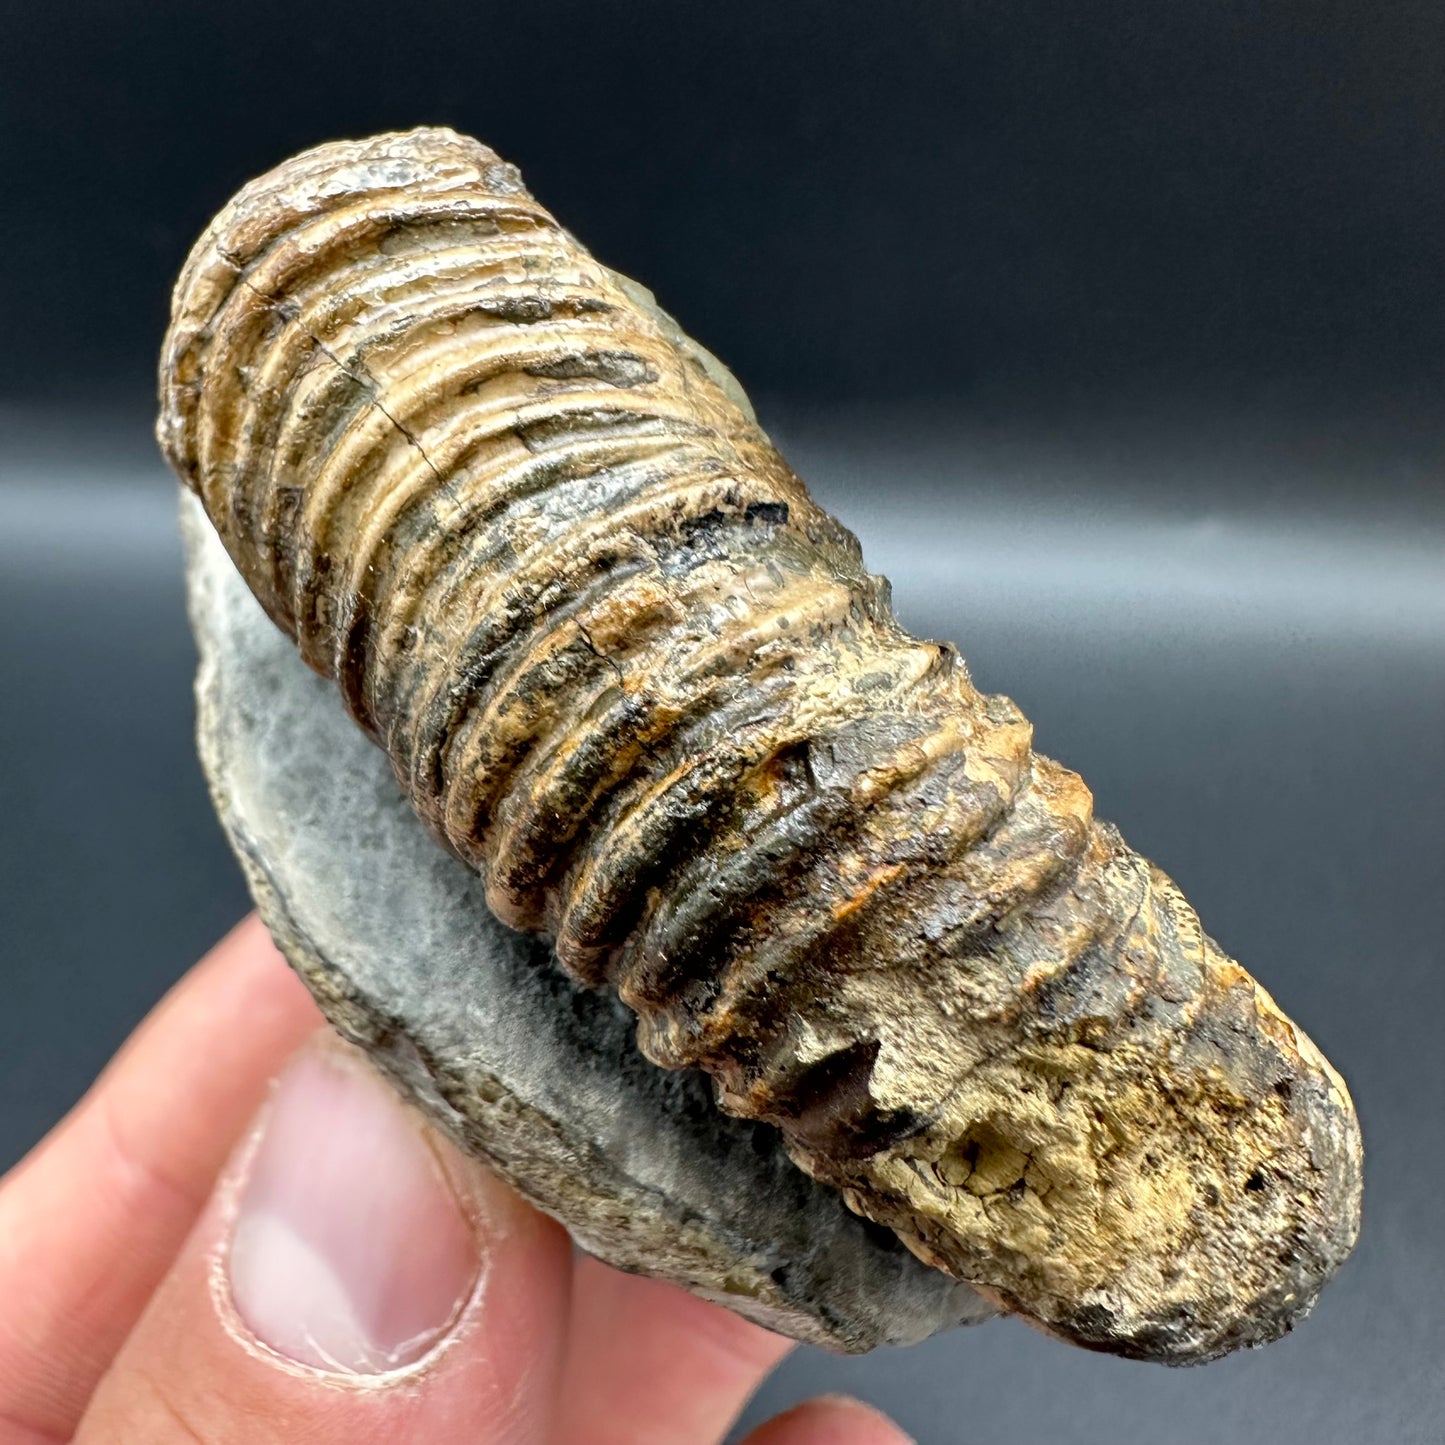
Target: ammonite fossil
[(626, 669)]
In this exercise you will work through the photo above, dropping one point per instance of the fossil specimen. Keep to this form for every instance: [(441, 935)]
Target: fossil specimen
[(626, 669)]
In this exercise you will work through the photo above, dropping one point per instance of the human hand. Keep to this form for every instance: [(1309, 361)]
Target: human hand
[(177, 1266)]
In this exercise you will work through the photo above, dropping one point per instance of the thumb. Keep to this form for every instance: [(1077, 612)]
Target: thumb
[(353, 1278)]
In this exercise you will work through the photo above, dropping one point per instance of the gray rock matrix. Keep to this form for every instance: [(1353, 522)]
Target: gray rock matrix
[(479, 1028)]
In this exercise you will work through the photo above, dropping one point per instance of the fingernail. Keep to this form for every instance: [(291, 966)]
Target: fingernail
[(350, 1250)]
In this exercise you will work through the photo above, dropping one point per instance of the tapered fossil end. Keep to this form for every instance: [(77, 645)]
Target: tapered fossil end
[(1171, 1199)]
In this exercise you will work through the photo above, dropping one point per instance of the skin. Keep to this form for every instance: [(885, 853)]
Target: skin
[(110, 1229)]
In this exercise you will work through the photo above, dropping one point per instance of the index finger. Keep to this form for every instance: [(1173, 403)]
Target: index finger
[(91, 1221)]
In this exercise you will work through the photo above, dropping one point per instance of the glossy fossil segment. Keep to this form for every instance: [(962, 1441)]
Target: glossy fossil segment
[(626, 669)]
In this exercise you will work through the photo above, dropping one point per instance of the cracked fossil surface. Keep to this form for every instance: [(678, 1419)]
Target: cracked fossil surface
[(636, 680)]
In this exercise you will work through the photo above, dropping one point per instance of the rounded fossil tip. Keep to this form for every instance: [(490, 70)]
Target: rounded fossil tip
[(1186, 1331), (1170, 1196), (1250, 1266)]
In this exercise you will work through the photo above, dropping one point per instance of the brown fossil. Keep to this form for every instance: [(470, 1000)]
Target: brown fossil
[(630, 672)]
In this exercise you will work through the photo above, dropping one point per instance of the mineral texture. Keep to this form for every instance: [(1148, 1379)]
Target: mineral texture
[(629, 673)]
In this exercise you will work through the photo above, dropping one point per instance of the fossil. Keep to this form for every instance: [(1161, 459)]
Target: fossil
[(627, 670)]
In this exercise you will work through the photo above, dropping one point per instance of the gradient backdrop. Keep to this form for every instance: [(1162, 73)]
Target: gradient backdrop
[(1115, 330)]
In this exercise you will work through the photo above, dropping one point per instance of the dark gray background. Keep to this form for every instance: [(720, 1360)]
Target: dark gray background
[(1115, 331)]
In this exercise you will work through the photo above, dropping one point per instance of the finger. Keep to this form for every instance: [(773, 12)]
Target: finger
[(831, 1420), (91, 1221), (353, 1279), (649, 1364)]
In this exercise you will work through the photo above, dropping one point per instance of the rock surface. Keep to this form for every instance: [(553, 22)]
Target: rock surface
[(479, 1027)]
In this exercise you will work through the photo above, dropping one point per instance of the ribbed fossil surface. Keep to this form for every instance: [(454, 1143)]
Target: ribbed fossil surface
[(632, 674)]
